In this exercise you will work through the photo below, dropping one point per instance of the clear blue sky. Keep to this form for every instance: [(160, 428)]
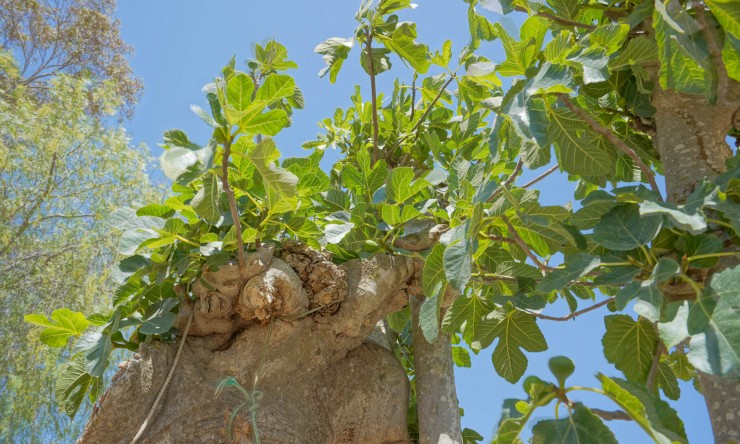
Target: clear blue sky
[(181, 45)]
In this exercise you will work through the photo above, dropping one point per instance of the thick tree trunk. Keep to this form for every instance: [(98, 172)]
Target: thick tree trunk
[(437, 406), (318, 380), (722, 396), (691, 141)]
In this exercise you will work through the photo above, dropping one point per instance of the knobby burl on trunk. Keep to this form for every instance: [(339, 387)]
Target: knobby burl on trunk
[(303, 323)]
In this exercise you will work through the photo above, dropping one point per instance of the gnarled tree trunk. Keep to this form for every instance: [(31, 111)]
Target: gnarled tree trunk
[(318, 380)]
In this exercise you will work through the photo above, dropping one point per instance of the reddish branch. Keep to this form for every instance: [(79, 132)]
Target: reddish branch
[(540, 177), (519, 241), (371, 68), (616, 141), (565, 21), (659, 348), (512, 177), (557, 19), (574, 314)]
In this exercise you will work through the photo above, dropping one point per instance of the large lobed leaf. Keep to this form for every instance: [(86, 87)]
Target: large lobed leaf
[(515, 330), (580, 427), (278, 180), (714, 322), (64, 324), (630, 345)]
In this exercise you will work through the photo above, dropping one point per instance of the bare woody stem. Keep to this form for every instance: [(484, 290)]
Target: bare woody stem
[(659, 348), (232, 204), (608, 415), (574, 314), (373, 93), (29, 214), (541, 176), (616, 141), (562, 20), (715, 53), (519, 241), (510, 180), (424, 115)]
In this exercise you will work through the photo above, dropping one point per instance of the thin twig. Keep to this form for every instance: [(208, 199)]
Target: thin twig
[(654, 365), (62, 216), (413, 97), (616, 415), (27, 218), (423, 116), (166, 381), (561, 20), (565, 21), (541, 176), (232, 204), (497, 238), (574, 314), (715, 53), (371, 67), (514, 235), (616, 141), (494, 277), (507, 183)]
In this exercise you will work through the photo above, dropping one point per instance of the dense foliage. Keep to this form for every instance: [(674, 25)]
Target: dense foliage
[(432, 170), (62, 171), (74, 37)]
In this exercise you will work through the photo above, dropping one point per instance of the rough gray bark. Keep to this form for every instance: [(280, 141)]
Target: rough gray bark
[(722, 396), (320, 382), (437, 406), (691, 141), (690, 137)]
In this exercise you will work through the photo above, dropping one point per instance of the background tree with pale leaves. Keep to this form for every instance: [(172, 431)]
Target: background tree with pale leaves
[(63, 170)]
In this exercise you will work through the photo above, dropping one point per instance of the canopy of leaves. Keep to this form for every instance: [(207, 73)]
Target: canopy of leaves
[(75, 37), (63, 172)]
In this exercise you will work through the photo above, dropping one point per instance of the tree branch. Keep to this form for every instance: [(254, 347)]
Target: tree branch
[(48, 256), (423, 116), (413, 97), (232, 204), (540, 177), (62, 216), (565, 21), (617, 415), (560, 20), (619, 143), (507, 183), (514, 235), (654, 365), (571, 315), (715, 53), (371, 66)]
